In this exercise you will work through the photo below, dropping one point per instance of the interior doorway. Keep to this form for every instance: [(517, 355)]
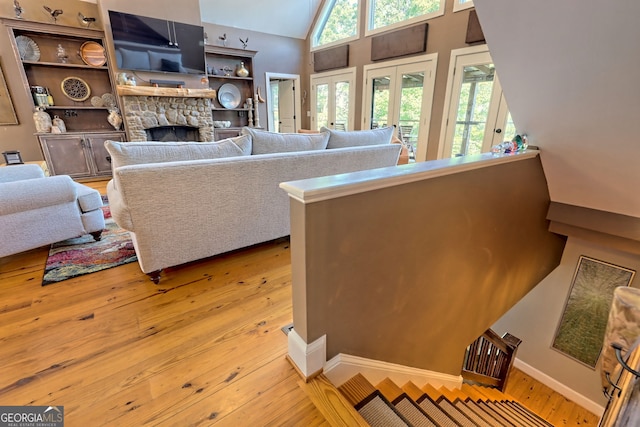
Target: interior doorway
[(283, 102)]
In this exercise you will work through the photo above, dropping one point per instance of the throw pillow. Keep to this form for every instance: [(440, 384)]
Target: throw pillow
[(134, 153), (356, 138), (134, 59), (264, 142), (156, 58)]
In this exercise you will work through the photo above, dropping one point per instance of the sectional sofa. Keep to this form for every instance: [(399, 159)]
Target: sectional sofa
[(184, 201)]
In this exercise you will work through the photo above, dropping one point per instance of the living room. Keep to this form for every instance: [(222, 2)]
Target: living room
[(562, 276)]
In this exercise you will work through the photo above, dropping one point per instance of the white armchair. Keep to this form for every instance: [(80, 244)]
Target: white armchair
[(36, 210)]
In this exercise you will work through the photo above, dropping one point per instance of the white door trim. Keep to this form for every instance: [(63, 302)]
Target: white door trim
[(298, 109)]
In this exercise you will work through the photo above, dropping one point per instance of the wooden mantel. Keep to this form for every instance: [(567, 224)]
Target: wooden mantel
[(124, 90)]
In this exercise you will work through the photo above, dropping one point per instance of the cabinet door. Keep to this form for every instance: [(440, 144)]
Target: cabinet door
[(99, 154), (66, 155)]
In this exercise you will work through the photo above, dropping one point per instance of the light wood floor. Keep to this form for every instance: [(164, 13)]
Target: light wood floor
[(204, 347)]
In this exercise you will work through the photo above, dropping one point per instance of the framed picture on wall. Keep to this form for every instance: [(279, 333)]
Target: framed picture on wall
[(584, 320), (7, 113)]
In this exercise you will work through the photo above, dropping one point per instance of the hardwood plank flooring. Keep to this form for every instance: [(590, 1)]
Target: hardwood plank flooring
[(202, 348)]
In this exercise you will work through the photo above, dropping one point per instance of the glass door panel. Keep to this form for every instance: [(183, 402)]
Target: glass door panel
[(411, 95), (322, 105), (332, 100), (342, 92), (381, 98), (473, 109), (401, 96)]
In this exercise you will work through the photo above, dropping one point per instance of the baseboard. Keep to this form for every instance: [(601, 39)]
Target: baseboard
[(342, 367), (554, 384), (308, 358)]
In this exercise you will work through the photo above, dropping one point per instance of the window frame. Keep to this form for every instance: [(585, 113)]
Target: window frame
[(369, 16), (323, 16)]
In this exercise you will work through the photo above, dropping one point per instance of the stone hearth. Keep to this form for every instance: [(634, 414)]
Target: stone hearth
[(146, 112)]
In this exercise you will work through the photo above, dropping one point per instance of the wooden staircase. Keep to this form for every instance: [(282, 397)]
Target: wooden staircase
[(388, 404)]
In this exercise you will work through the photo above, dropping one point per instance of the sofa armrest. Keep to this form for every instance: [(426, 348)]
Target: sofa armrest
[(28, 194), (20, 172)]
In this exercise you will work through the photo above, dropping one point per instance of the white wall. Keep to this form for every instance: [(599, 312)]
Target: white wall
[(568, 70)]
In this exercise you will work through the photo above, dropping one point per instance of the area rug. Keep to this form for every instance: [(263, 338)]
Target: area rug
[(83, 255)]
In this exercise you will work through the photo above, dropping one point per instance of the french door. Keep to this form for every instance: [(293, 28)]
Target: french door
[(476, 113), (400, 93), (332, 100)]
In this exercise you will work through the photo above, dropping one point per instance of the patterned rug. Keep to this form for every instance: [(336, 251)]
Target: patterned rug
[(83, 255)]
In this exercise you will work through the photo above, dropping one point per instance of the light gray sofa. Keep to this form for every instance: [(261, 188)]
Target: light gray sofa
[(36, 210), (181, 205)]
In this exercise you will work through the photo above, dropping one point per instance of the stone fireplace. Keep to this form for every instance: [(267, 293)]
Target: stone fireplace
[(148, 108)]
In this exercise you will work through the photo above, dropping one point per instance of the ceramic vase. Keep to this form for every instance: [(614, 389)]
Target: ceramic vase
[(59, 123), (241, 70), (42, 120)]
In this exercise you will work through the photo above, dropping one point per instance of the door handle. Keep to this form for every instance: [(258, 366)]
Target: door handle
[(498, 130)]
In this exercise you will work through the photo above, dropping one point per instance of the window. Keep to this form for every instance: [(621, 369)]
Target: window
[(338, 23), (386, 14), (462, 4)]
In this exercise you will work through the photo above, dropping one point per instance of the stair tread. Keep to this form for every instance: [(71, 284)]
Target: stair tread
[(455, 413), (485, 406), (506, 412), (413, 413), (464, 407), (435, 412), (356, 389), (541, 421), (378, 412), (486, 415)]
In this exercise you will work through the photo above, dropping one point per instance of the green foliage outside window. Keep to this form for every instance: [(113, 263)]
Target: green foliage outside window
[(388, 12), (341, 22)]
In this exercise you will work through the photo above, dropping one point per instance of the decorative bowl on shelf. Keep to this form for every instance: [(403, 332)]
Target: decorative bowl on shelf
[(221, 123)]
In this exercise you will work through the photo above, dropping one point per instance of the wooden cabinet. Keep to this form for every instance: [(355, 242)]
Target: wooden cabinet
[(222, 66), (69, 63), (78, 155)]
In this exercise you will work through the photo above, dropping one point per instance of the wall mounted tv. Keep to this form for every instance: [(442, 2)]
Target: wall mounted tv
[(149, 44)]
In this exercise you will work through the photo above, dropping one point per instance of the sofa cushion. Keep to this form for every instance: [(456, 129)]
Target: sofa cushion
[(133, 153), (264, 142), (357, 138)]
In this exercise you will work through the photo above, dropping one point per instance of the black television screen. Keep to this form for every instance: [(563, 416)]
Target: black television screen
[(150, 44)]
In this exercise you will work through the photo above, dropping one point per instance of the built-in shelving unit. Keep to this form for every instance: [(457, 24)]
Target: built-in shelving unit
[(222, 63), (78, 152)]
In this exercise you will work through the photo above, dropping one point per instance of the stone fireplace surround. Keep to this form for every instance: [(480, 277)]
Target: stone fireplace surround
[(149, 107)]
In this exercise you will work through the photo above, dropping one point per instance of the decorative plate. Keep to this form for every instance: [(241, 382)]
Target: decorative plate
[(28, 49), (96, 101), (108, 100), (75, 88), (229, 96), (92, 53)]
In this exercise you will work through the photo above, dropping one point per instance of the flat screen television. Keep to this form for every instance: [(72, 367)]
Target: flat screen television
[(149, 44)]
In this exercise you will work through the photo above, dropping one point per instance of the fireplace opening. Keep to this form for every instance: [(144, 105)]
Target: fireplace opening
[(173, 133)]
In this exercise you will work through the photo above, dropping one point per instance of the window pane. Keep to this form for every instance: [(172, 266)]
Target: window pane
[(388, 12), (341, 22), (322, 105), (473, 109), (380, 107), (342, 105), (410, 110)]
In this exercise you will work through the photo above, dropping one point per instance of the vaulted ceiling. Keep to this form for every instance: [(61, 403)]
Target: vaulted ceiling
[(289, 18)]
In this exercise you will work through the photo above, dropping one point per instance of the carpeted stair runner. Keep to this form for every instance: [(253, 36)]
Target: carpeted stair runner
[(386, 404), (455, 413), (492, 420), (463, 406)]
